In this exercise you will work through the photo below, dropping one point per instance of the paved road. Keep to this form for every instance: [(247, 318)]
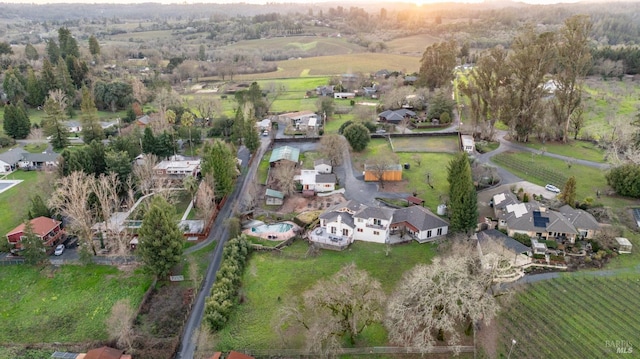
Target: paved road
[(219, 232)]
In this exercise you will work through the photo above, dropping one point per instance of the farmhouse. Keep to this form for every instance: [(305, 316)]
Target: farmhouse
[(392, 173), (468, 143), (47, 229), (536, 221), (325, 90), (284, 153), (302, 120), (345, 222)]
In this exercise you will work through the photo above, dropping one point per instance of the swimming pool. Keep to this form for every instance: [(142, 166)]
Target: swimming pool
[(272, 228)]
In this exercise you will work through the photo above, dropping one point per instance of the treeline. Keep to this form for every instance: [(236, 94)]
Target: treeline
[(616, 61)]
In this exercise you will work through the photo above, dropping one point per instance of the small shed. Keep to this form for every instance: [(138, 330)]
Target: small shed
[(538, 247), (624, 245), (468, 143), (415, 201), (391, 173), (273, 197)]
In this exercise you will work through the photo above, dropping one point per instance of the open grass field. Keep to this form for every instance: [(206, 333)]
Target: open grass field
[(334, 123), (269, 277), (14, 202), (307, 45), (582, 150), (608, 103), (66, 304), (573, 317), (448, 144), (411, 45), (338, 64), (263, 168)]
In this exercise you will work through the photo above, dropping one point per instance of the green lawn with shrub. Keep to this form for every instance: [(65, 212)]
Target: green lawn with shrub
[(14, 202), (270, 280)]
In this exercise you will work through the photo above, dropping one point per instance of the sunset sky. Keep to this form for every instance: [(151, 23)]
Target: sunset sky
[(261, 2)]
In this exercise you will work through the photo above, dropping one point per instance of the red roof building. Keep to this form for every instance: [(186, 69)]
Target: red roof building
[(47, 229)]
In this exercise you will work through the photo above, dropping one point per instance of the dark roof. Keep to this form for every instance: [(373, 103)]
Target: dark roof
[(419, 217), (415, 200), (104, 353), (579, 218), (502, 238), (12, 156), (325, 178), (41, 157)]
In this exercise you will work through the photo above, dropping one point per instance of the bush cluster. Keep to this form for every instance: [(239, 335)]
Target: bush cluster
[(224, 292)]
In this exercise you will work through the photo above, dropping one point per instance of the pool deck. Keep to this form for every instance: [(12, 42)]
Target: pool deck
[(274, 236), (7, 184)]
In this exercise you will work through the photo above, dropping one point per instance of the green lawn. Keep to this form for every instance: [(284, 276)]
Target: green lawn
[(271, 280), (576, 149), (35, 147), (263, 168), (66, 304), (449, 144), (334, 123), (575, 316), (14, 203), (307, 159)]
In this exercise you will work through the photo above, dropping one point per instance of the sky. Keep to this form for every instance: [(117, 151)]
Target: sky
[(261, 2)]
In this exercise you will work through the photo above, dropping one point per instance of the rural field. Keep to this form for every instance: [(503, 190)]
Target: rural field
[(449, 144), (575, 316), (68, 304), (272, 279), (309, 46)]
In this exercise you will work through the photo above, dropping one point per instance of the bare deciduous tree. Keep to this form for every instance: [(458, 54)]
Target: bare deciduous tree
[(206, 199), (379, 165), (120, 324), (71, 200), (434, 301), (333, 147), (283, 175), (206, 106), (335, 308), (105, 189)]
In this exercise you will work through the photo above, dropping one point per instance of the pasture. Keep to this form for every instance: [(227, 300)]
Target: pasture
[(66, 304), (272, 280), (307, 46), (608, 105), (582, 150), (413, 45), (447, 144), (572, 317)]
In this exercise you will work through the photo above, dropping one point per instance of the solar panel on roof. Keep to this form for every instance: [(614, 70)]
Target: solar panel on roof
[(64, 355), (539, 220)]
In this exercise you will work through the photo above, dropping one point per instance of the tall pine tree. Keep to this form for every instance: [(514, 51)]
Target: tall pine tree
[(35, 95), (16, 121), (463, 201), (55, 109), (91, 128), (161, 240), (220, 162)]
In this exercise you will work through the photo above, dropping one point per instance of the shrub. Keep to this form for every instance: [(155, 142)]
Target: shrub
[(551, 244), (625, 180), (522, 238)]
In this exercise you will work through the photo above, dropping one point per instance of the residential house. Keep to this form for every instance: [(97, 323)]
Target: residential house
[(345, 222), (313, 182), (302, 120), (468, 144), (143, 121), (344, 95), (73, 126), (395, 116), (322, 166), (273, 197), (370, 91), (178, 168), (537, 221), (47, 229), (419, 223), (392, 173), (382, 74), (39, 161), (325, 182), (284, 153), (10, 160), (494, 242), (325, 90)]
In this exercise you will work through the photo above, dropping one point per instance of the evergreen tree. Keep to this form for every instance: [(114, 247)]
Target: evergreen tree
[(220, 162), (68, 45), (94, 46), (35, 95), (238, 127), (148, 141), (568, 195), (251, 136), (33, 248), (165, 145), (91, 127), (14, 85), (161, 240), (55, 115), (38, 207), (53, 51), (63, 79), (358, 136), (96, 152), (16, 121), (48, 79), (31, 53), (463, 201), (118, 162), (201, 54), (77, 70)]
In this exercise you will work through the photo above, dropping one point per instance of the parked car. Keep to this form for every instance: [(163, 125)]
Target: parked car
[(59, 250), (552, 188)]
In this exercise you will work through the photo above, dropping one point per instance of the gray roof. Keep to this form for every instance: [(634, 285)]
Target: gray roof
[(41, 157), (351, 206), (418, 217), (325, 178), (72, 123), (579, 218), (502, 238), (389, 167), (374, 212), (12, 156), (144, 119), (322, 161), (333, 217)]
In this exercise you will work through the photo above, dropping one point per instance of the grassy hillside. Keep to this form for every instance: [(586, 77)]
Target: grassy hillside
[(309, 45)]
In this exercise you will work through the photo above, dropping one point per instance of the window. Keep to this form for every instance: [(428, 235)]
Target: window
[(375, 233), (333, 230), (345, 232), (377, 222), (360, 230), (439, 231), (429, 234)]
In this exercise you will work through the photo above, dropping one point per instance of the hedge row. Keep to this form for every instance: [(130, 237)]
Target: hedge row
[(224, 293)]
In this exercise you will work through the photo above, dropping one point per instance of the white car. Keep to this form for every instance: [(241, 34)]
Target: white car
[(552, 188), (59, 250)]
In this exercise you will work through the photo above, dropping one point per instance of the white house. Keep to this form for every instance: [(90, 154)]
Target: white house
[(313, 181), (178, 168), (372, 224), (344, 95), (419, 223), (302, 120), (322, 166), (468, 143), (10, 160)]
